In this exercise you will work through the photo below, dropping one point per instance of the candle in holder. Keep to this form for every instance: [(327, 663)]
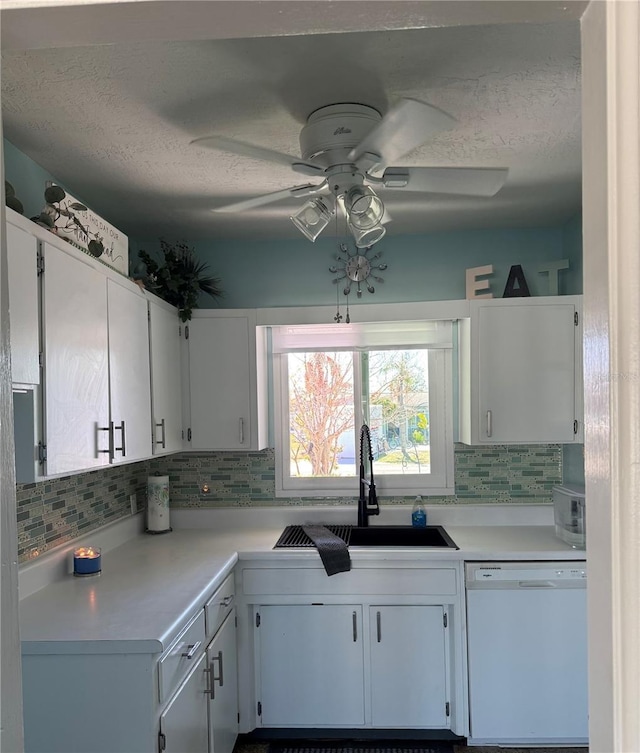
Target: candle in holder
[(87, 560)]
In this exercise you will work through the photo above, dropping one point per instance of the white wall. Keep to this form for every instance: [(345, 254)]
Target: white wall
[(611, 230)]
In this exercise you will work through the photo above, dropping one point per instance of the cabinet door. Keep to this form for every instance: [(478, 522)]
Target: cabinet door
[(408, 667), (166, 380), (526, 373), (129, 375), (76, 364), (223, 684), (22, 251), (220, 383), (311, 665), (184, 722)]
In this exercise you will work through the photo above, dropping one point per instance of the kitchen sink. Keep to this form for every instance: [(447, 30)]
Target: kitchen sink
[(431, 537)]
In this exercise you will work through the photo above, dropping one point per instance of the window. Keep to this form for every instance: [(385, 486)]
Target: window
[(396, 378)]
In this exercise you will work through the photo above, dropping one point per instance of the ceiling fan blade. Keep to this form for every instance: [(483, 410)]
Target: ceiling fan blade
[(405, 126), (309, 189), (224, 144), (462, 181)]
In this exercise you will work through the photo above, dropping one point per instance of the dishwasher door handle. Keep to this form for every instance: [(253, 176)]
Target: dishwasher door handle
[(536, 584)]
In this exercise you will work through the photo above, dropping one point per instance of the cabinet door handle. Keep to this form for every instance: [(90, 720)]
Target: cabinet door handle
[(212, 675), (489, 424), (108, 429), (379, 626), (355, 626), (241, 422), (122, 447), (192, 650), (163, 433), (227, 601)]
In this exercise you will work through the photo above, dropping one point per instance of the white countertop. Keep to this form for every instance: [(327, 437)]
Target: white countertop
[(151, 584)]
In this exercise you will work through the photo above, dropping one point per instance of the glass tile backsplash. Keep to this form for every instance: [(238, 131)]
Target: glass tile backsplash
[(53, 512)]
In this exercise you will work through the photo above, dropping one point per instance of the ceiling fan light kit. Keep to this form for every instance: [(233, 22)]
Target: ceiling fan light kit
[(312, 218), (351, 145)]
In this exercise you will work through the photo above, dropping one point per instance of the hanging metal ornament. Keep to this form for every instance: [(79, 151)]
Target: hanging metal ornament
[(356, 268)]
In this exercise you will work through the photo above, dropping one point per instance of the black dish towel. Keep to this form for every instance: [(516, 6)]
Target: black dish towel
[(332, 549)]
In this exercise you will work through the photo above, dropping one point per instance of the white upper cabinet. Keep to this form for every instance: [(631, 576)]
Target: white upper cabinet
[(166, 380), (22, 253), (129, 374), (76, 364), (521, 371), (97, 392), (226, 409)]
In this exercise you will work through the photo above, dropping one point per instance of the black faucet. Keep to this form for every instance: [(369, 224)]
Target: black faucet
[(367, 503)]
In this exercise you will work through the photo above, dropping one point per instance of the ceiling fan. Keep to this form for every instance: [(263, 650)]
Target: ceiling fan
[(352, 148)]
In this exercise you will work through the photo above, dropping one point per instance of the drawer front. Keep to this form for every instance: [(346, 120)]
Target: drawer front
[(181, 656), (219, 606), (396, 582)]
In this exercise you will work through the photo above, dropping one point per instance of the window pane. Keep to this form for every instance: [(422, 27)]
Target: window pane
[(398, 409), (321, 415)]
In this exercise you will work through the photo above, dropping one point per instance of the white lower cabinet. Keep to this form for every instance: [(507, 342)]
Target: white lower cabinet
[(183, 724), (376, 648), (88, 697), (223, 688), (311, 665), (408, 666)]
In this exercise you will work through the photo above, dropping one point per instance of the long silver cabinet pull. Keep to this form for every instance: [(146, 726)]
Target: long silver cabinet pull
[(489, 424), (355, 627), (163, 433), (192, 650), (212, 675), (220, 677), (122, 447), (379, 626), (241, 426), (108, 429)]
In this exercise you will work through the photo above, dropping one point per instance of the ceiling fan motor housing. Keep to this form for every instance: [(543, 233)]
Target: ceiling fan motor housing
[(332, 132)]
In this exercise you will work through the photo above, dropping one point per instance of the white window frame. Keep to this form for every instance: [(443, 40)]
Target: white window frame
[(440, 482)]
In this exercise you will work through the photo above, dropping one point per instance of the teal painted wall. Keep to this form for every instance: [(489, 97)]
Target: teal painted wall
[(261, 274), (295, 272)]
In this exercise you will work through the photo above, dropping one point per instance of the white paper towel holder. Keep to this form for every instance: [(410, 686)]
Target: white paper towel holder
[(158, 506)]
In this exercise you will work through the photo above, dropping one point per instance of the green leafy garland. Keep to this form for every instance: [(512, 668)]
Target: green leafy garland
[(180, 279)]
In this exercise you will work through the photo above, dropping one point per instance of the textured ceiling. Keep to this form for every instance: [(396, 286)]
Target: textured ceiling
[(113, 121)]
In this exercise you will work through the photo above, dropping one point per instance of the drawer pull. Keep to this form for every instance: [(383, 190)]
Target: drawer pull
[(192, 650), (379, 626), (354, 618)]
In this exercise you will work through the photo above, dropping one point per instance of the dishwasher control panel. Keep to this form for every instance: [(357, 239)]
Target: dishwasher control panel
[(483, 574)]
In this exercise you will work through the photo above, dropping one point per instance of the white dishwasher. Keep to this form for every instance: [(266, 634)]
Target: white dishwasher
[(527, 652)]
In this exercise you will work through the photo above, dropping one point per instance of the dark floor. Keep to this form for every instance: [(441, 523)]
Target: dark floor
[(262, 747)]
